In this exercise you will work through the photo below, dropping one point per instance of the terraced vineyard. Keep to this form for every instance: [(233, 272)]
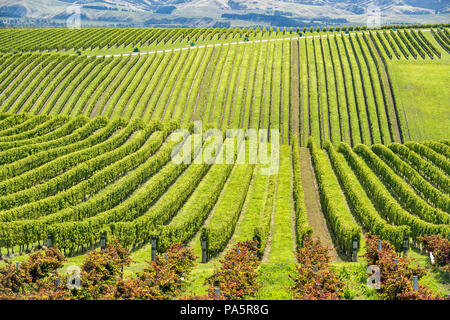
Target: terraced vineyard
[(87, 140), (334, 86)]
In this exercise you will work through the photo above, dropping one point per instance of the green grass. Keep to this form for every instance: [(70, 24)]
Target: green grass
[(333, 106), (355, 278), (260, 75), (437, 281), (190, 81), (228, 106), (349, 92), (274, 274), (156, 109), (421, 89), (274, 277), (245, 73), (196, 281)]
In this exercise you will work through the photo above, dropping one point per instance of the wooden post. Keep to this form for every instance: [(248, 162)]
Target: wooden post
[(405, 246), (355, 249), (49, 241), (217, 292), (204, 243), (257, 240), (103, 241), (154, 242)]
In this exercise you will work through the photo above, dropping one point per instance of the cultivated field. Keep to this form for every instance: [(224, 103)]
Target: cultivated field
[(86, 123)]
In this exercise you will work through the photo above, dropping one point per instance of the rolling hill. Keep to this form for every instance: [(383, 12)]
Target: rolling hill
[(207, 13)]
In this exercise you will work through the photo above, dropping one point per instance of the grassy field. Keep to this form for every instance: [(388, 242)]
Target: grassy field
[(421, 89)]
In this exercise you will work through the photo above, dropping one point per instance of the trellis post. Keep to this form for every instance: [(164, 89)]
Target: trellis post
[(405, 245), (102, 241), (154, 242), (204, 243), (355, 249), (217, 292), (49, 241)]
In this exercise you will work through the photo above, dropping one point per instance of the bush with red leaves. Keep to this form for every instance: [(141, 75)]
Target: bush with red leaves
[(396, 273), (101, 276), (163, 278), (101, 272), (314, 279), (372, 254), (440, 247), (237, 277), (32, 276)]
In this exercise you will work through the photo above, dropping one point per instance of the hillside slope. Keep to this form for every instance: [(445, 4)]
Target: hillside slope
[(337, 86), (203, 13)]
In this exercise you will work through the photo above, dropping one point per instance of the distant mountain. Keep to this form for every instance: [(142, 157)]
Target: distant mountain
[(207, 13)]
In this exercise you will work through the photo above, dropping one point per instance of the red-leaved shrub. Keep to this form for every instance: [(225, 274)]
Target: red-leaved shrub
[(396, 273), (236, 278), (314, 279), (101, 276), (440, 247)]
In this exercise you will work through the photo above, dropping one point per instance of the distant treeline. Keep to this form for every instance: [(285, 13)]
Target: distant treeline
[(100, 8), (283, 21)]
